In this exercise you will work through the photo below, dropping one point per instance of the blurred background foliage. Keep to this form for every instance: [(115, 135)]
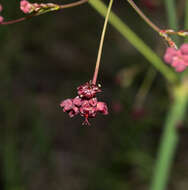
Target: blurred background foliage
[(43, 60)]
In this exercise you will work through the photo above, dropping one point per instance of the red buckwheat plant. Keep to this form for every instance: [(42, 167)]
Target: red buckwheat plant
[(86, 103)]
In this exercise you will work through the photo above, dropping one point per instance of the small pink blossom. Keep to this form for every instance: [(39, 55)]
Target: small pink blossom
[(177, 58), (26, 6), (117, 106), (102, 107), (1, 8), (1, 19), (77, 101), (184, 49), (87, 110), (67, 105)]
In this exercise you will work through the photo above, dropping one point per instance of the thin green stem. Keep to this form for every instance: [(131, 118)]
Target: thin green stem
[(101, 43), (128, 34), (152, 25), (186, 19), (186, 28), (169, 140), (145, 87), (176, 114), (172, 18), (143, 16)]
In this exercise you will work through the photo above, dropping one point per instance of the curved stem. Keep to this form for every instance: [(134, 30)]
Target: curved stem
[(101, 43), (170, 42), (186, 19), (172, 18), (36, 14), (143, 16), (17, 20), (73, 4)]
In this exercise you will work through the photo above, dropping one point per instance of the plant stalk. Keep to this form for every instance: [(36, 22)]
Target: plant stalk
[(172, 17), (186, 19), (101, 43), (169, 140)]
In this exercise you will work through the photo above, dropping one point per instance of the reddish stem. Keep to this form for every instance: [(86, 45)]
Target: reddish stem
[(36, 13)]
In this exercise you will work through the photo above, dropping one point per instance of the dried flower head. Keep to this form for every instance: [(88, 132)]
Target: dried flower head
[(177, 58), (86, 103), (88, 90)]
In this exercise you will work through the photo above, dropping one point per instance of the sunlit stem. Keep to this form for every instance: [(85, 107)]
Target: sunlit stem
[(101, 43)]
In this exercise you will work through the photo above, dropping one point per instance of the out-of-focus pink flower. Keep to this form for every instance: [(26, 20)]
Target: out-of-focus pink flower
[(86, 104), (138, 113), (1, 8), (26, 6), (1, 19), (184, 49), (117, 106), (177, 58)]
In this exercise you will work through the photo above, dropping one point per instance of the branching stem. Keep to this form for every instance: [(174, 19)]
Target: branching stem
[(74, 4)]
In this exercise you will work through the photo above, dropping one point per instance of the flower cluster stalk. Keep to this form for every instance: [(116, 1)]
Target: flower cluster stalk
[(101, 43)]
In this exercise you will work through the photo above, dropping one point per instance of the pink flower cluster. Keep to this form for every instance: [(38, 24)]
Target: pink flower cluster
[(26, 6), (177, 58), (1, 18), (86, 103)]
